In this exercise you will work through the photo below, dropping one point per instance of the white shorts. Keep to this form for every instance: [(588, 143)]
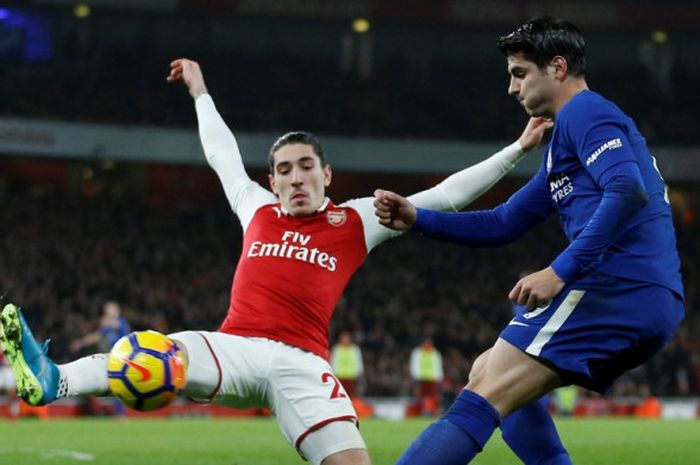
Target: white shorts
[(298, 386)]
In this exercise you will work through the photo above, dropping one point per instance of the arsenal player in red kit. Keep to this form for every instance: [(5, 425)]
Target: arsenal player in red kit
[(299, 252)]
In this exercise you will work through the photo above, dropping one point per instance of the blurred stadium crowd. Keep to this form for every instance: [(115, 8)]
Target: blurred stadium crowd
[(170, 267), (62, 254), (401, 78), (441, 100)]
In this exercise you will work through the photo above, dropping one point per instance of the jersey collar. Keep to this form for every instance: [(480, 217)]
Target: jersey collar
[(321, 209)]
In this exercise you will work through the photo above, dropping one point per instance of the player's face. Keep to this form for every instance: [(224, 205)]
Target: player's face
[(534, 88), (299, 180)]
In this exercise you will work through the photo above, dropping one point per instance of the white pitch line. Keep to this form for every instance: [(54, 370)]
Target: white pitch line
[(50, 454)]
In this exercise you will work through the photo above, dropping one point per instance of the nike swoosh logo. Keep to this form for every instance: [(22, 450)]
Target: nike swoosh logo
[(145, 374), (517, 323)]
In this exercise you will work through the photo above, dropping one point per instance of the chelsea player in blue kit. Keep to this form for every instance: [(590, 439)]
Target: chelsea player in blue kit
[(610, 300)]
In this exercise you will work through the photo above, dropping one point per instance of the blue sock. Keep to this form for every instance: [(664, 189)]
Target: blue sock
[(457, 437), (531, 434)]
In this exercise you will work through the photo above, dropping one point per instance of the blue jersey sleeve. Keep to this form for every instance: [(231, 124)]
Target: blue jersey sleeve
[(505, 223), (623, 196), (599, 140)]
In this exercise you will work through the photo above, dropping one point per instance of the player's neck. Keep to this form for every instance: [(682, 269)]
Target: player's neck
[(570, 89)]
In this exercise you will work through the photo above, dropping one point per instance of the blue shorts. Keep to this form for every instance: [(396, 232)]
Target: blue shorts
[(598, 328)]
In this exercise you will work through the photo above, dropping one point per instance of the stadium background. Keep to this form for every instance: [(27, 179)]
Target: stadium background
[(104, 192)]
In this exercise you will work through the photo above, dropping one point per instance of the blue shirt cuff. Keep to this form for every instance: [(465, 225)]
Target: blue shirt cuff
[(426, 220), (565, 267)]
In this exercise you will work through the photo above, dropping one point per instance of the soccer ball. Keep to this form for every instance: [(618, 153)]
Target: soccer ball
[(146, 370)]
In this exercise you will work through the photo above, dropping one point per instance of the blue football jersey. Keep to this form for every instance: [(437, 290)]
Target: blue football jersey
[(598, 175), (591, 136)]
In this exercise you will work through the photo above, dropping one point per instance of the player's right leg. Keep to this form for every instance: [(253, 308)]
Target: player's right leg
[(36, 374), (337, 443), (510, 380), (39, 380)]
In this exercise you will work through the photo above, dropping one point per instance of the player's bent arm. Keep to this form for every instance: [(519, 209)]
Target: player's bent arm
[(221, 149), (623, 196), (502, 225), (461, 188)]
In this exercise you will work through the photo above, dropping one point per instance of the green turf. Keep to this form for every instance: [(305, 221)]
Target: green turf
[(259, 442)]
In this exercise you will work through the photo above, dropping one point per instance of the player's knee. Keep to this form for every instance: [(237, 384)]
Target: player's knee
[(337, 443), (348, 457)]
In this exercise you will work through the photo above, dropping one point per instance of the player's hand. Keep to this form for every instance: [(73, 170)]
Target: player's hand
[(394, 211), (534, 131), (536, 289), (188, 73)]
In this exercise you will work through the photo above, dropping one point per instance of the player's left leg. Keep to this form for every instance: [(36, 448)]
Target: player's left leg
[(204, 369), (532, 435), (39, 380), (35, 374), (529, 431)]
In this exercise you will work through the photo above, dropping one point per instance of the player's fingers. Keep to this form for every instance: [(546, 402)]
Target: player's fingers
[(532, 302), (393, 197), (514, 293), (175, 73), (385, 196), (524, 297), (382, 213), (381, 199), (380, 207)]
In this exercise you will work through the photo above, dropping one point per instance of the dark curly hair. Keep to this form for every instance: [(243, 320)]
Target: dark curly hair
[(542, 38)]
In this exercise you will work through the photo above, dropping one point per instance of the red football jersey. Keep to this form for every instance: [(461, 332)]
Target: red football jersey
[(292, 273)]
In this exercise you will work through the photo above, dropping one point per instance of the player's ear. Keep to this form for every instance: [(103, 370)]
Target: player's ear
[(560, 66), (271, 178), (327, 175)]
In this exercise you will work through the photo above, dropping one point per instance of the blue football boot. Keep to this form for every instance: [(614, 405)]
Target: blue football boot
[(35, 373)]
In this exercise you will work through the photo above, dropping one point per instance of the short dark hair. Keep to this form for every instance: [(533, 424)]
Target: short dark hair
[(542, 38), (296, 137)]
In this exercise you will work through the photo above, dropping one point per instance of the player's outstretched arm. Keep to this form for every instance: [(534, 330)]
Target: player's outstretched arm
[(219, 144), (463, 187), (454, 193), (505, 223)]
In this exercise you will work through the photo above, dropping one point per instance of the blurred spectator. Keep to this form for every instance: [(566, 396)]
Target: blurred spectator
[(111, 327), (565, 399), (426, 370), (170, 268), (346, 360), (7, 387)]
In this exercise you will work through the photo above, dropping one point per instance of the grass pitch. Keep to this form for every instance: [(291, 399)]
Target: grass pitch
[(259, 442)]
